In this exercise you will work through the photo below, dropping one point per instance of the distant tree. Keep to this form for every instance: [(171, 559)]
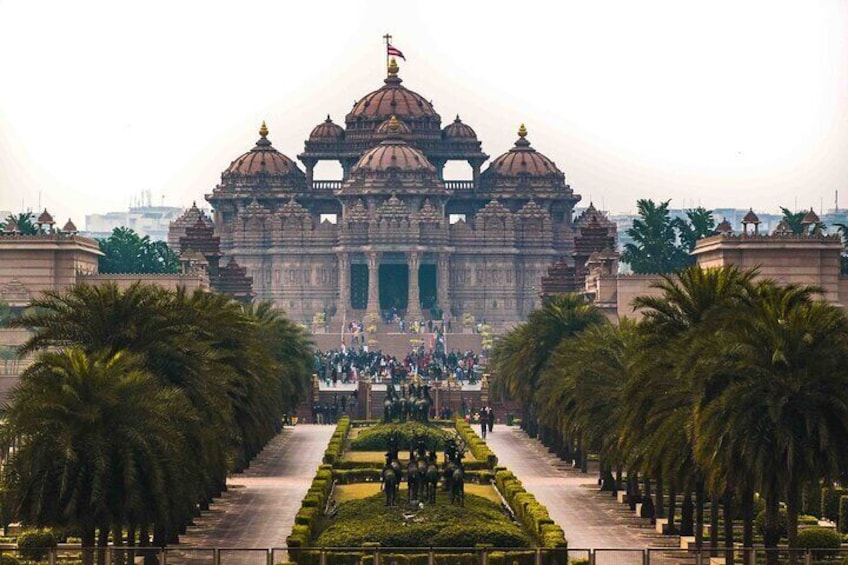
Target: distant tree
[(24, 222), (701, 224), (126, 252), (655, 236), (793, 219), (5, 313)]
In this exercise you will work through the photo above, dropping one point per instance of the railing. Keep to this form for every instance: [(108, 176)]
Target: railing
[(326, 184), (367, 555), (459, 184)]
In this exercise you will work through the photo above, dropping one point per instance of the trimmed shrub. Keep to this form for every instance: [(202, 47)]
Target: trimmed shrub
[(476, 445), (376, 438), (760, 523), (842, 522), (34, 545), (442, 525), (830, 502), (821, 539)]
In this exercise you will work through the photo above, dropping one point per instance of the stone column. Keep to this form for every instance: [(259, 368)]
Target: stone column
[(413, 307), (374, 283), (344, 282), (443, 282)]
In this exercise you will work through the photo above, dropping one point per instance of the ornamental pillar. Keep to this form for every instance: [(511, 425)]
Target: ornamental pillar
[(413, 307), (344, 282), (442, 284), (373, 283)]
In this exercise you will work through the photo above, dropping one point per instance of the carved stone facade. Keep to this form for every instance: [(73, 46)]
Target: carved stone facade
[(392, 234)]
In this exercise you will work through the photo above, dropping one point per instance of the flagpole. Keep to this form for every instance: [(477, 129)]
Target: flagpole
[(388, 39)]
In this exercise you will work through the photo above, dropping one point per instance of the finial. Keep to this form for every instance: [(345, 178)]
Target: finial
[(393, 67), (522, 131), (394, 124), (328, 119), (457, 119), (263, 129)]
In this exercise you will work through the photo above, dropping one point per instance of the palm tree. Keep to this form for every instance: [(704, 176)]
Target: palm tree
[(240, 370), (654, 233), (680, 325), (98, 442), (786, 410), (580, 393), (701, 223), (23, 221), (521, 356), (793, 219)]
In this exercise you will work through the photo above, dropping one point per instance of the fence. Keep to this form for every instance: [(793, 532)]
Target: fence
[(481, 555)]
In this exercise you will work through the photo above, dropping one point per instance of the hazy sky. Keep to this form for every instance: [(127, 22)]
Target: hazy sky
[(727, 103)]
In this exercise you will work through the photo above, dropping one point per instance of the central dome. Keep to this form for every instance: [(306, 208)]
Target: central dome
[(393, 153), (393, 165), (391, 100)]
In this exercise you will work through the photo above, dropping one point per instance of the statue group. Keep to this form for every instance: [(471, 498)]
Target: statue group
[(422, 472), (411, 403)]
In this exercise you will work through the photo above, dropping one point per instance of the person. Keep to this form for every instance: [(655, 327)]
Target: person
[(490, 416), (315, 410), (484, 423)]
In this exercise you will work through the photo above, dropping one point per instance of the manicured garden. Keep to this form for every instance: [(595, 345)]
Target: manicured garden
[(346, 506)]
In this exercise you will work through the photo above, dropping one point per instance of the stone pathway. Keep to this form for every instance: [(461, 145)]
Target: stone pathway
[(258, 509), (589, 519)]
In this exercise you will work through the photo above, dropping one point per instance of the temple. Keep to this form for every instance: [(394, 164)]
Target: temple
[(392, 235)]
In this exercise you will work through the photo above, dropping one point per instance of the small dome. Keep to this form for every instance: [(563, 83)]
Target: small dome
[(459, 131), (69, 227), (327, 131), (45, 218), (522, 160), (393, 154), (751, 217), (263, 159), (724, 227), (393, 126)]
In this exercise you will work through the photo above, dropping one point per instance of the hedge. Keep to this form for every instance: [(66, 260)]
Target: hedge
[(313, 504), (376, 438), (439, 525), (336, 444), (820, 538), (34, 545), (830, 502), (532, 515), (842, 523), (477, 446)]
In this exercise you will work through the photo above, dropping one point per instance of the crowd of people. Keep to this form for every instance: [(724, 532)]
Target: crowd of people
[(350, 365)]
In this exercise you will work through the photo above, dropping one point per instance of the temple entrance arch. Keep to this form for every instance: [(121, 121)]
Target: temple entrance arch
[(359, 283), (428, 285), (394, 287)]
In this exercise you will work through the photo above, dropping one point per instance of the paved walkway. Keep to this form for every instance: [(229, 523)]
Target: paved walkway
[(589, 519), (258, 509)]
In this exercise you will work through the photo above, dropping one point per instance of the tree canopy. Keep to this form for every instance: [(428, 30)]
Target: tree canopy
[(728, 386), (126, 252), (24, 222), (661, 243), (141, 401)]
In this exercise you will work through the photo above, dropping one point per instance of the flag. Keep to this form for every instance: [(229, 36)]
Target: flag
[(394, 52)]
